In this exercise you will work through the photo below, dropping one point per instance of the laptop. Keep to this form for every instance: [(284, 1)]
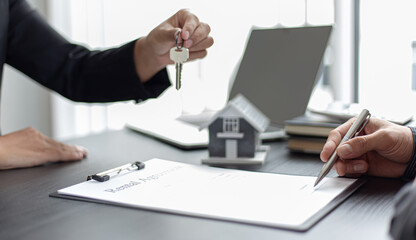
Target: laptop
[(277, 74)]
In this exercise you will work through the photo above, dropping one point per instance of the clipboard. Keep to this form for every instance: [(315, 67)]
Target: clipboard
[(162, 178)]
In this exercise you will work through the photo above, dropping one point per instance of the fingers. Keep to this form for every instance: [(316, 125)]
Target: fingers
[(372, 164), (199, 35), (351, 167), (392, 141), (328, 149), (168, 34), (197, 55), (202, 45), (360, 145), (71, 153), (151, 53), (193, 31), (334, 138), (189, 23), (383, 150), (64, 152), (59, 152)]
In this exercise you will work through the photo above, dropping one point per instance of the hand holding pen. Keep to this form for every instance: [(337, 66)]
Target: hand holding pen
[(354, 130), (384, 149)]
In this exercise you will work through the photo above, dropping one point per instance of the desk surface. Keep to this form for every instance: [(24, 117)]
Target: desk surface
[(26, 210)]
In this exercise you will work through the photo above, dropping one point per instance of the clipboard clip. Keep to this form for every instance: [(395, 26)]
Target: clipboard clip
[(105, 176)]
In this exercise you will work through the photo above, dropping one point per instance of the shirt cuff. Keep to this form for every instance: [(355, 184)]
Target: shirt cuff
[(410, 172), (152, 88)]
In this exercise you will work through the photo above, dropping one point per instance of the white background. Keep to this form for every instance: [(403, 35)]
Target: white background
[(387, 30)]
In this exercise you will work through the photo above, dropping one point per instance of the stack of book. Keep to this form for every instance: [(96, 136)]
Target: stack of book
[(308, 133)]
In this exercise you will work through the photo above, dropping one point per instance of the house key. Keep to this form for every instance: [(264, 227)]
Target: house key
[(179, 55)]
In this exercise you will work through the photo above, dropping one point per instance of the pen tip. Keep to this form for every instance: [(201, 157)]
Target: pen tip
[(317, 181)]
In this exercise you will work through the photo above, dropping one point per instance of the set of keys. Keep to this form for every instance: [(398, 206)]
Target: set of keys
[(179, 55)]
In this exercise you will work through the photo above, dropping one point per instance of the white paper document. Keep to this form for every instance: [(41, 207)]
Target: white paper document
[(243, 196)]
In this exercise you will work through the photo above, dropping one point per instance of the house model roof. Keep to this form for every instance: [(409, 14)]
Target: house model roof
[(240, 106)]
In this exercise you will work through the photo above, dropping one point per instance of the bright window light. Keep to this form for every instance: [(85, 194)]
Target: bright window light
[(205, 83), (387, 31)]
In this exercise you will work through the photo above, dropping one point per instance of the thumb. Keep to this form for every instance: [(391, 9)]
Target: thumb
[(169, 35), (358, 146)]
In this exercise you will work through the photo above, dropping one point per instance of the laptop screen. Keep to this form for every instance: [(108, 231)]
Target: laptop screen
[(279, 69)]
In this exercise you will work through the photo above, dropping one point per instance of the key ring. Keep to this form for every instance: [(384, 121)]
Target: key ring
[(177, 38)]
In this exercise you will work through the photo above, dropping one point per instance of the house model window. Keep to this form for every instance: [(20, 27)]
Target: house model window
[(231, 125)]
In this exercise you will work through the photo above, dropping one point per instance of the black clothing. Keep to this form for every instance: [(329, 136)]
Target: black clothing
[(30, 45), (403, 223), (410, 172)]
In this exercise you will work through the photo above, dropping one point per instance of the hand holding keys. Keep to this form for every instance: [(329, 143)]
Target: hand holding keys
[(179, 55)]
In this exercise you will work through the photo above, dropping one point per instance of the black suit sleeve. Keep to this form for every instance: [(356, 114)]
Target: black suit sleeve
[(403, 223), (72, 70)]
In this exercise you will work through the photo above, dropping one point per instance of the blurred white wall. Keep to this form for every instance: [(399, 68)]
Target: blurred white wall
[(106, 23), (96, 23)]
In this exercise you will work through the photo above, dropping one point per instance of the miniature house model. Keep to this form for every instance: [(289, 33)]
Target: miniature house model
[(234, 134)]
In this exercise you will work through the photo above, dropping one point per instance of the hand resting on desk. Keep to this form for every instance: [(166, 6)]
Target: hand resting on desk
[(384, 149), (28, 148)]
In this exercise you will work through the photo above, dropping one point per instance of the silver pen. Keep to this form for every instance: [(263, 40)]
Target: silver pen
[(352, 132)]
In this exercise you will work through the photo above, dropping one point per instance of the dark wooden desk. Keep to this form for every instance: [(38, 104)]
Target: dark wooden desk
[(27, 212)]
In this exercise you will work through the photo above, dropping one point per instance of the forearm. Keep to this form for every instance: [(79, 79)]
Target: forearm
[(107, 76), (72, 70)]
